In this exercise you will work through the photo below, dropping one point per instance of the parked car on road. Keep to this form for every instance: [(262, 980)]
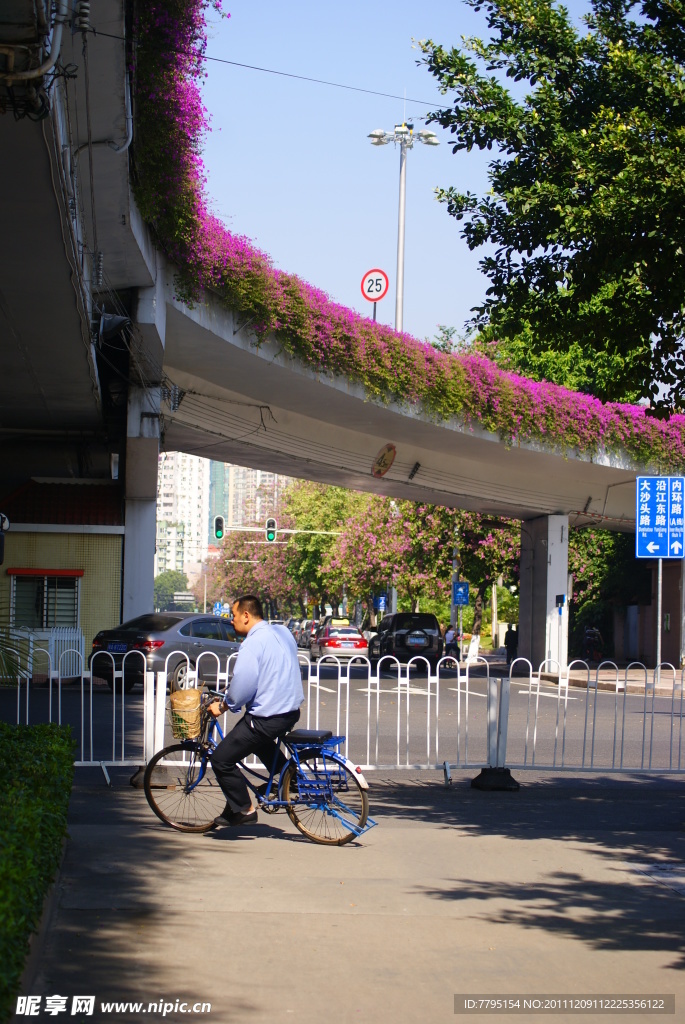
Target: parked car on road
[(155, 636), (340, 641), (404, 635), (308, 633), (301, 630)]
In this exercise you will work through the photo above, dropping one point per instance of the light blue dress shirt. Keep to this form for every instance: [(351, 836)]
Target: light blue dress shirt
[(266, 676)]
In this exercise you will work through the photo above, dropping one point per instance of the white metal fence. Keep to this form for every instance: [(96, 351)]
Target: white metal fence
[(620, 720), (58, 640), (394, 716)]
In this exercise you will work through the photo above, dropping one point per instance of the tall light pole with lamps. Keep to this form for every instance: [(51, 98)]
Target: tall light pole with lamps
[(403, 135)]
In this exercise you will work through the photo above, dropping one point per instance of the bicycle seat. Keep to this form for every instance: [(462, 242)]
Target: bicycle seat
[(308, 736)]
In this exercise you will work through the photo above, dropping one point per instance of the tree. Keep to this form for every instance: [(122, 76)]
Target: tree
[(409, 545), (488, 548), (316, 507), (387, 542), (166, 585), (586, 211)]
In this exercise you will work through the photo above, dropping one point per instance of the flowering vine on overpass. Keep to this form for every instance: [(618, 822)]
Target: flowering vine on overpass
[(170, 188)]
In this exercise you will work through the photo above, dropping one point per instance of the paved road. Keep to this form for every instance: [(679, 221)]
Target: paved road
[(572, 886)]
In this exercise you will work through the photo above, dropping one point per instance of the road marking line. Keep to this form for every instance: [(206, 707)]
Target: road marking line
[(555, 696), (471, 693), (669, 874), (412, 689)]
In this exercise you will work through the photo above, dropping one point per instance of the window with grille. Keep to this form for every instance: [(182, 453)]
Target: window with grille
[(41, 602)]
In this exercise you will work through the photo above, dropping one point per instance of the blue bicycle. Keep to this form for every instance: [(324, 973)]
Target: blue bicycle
[(324, 794)]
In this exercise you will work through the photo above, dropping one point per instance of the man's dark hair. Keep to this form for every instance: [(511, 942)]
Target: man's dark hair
[(250, 604)]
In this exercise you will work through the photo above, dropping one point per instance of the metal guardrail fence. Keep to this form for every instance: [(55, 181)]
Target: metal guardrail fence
[(617, 730), (458, 716)]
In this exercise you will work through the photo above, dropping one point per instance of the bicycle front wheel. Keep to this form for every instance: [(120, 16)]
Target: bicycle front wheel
[(324, 800), (181, 788)]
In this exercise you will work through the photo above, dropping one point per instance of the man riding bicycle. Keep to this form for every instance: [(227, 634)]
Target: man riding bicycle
[(267, 683)]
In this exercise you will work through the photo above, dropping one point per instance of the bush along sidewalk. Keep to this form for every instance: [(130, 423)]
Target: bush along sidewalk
[(36, 772)]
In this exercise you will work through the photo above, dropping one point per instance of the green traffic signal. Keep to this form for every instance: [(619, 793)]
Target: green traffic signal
[(219, 527), (271, 530)]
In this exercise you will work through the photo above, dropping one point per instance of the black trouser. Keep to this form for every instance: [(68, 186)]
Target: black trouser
[(251, 735)]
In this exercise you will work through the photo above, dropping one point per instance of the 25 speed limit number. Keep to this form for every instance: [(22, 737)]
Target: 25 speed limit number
[(375, 285)]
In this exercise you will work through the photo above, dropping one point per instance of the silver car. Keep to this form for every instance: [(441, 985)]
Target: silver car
[(156, 636)]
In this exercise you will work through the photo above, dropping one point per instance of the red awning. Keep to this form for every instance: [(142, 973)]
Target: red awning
[(44, 572)]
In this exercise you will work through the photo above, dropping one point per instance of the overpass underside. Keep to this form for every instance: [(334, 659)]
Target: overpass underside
[(249, 404)]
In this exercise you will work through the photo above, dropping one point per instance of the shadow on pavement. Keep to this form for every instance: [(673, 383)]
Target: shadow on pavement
[(626, 822), (122, 928), (603, 916)]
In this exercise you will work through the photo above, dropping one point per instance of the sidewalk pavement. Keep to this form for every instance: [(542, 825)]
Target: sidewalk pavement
[(572, 886)]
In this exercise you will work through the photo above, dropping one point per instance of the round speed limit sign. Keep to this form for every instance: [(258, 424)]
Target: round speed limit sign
[(375, 285)]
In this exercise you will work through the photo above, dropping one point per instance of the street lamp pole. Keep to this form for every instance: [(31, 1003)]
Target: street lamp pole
[(403, 135), (399, 290)]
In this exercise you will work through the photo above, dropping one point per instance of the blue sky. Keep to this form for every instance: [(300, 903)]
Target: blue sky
[(290, 165)]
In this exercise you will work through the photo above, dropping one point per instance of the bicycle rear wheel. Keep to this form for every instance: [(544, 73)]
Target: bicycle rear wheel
[(324, 799), (181, 788)]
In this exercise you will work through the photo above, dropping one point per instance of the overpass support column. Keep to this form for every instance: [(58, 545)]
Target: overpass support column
[(543, 631), (142, 452)]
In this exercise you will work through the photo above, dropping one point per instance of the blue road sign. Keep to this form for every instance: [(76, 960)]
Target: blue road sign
[(460, 593), (217, 608), (659, 531)]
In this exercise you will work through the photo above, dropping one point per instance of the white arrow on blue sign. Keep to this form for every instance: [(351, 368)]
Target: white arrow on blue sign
[(659, 523), (217, 608)]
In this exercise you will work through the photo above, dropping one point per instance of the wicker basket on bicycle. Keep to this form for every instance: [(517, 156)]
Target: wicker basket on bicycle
[(186, 718)]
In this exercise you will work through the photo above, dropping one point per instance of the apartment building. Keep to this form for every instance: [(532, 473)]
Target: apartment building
[(182, 513), (243, 496)]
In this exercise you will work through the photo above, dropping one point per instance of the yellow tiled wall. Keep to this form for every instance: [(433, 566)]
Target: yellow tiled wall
[(99, 555)]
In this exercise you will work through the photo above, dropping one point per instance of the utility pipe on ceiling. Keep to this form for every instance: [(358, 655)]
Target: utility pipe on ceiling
[(55, 47)]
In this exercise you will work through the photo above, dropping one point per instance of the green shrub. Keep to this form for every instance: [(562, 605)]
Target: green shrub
[(36, 770)]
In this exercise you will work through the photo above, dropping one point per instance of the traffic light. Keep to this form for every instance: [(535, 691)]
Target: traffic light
[(219, 527), (271, 530)]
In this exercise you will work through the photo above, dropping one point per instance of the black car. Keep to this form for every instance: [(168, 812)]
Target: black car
[(158, 635), (405, 635)]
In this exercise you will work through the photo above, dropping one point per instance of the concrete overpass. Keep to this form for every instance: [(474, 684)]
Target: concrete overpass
[(78, 403)]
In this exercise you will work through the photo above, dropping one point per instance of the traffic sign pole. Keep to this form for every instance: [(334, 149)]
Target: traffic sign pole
[(455, 575), (659, 532), (659, 589)]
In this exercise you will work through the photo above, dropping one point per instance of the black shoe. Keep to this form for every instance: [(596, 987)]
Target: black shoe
[(237, 818)]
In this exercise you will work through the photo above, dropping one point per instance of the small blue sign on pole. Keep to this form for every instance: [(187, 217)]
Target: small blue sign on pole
[(659, 522), (460, 593), (217, 608)]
